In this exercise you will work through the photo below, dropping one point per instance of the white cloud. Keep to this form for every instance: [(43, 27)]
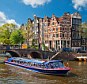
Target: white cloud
[(4, 19), (78, 4), (35, 3)]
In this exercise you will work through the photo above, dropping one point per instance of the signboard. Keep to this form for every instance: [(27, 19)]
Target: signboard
[(24, 46)]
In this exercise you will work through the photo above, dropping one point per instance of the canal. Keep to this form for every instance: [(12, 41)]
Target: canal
[(15, 75)]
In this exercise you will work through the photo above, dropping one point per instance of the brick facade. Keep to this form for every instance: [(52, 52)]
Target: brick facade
[(58, 32)]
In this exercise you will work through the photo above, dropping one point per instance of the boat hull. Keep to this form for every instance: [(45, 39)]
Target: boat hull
[(81, 59), (44, 71)]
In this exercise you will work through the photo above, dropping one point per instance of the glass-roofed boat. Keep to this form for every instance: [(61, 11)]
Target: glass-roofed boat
[(54, 67)]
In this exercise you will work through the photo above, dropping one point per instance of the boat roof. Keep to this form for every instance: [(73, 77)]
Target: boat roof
[(34, 60), (28, 60)]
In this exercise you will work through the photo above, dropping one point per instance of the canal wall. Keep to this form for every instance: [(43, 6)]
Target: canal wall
[(68, 55), (43, 54)]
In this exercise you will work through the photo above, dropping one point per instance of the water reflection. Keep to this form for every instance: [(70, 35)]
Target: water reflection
[(79, 63), (85, 62), (15, 75)]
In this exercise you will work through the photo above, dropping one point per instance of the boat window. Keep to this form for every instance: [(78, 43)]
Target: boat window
[(14, 61), (39, 65), (58, 64), (24, 62), (55, 65), (61, 64), (17, 61), (36, 65), (42, 66), (11, 60), (29, 64), (20, 62), (32, 64), (50, 65)]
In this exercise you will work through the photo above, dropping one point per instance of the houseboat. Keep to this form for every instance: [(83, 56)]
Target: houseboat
[(53, 67)]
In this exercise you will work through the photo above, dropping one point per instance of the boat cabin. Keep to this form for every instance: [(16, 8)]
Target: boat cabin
[(54, 64), (37, 63)]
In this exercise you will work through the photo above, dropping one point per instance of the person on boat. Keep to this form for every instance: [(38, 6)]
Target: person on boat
[(50, 66)]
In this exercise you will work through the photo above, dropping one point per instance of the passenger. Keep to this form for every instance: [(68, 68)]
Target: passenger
[(52, 66), (49, 65)]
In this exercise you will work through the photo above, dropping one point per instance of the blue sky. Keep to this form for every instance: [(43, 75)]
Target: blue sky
[(18, 11)]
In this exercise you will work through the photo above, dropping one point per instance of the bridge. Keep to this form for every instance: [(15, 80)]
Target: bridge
[(29, 53)]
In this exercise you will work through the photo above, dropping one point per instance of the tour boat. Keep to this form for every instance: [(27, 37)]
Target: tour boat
[(53, 67)]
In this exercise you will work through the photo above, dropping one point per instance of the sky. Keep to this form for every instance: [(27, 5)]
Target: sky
[(18, 11)]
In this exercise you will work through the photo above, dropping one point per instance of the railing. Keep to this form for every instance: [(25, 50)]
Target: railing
[(7, 47)]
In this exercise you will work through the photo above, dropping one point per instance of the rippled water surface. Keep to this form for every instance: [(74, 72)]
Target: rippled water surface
[(15, 75)]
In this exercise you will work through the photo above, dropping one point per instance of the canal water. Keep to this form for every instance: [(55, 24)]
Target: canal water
[(15, 75)]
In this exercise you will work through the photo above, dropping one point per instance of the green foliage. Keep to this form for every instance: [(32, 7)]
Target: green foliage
[(34, 47), (9, 34), (44, 47), (33, 42), (83, 30), (28, 33), (16, 37), (5, 32)]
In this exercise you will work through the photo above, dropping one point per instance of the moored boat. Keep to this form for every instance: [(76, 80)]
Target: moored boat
[(81, 58), (54, 67)]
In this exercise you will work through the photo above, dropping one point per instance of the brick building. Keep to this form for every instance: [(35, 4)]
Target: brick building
[(58, 32), (76, 34)]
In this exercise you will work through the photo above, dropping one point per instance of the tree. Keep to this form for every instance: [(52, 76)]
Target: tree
[(17, 37), (83, 30), (5, 32), (33, 44), (28, 33), (84, 27)]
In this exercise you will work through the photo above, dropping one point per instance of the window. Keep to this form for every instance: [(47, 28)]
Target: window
[(53, 29), (53, 23), (56, 35), (53, 35), (62, 35), (58, 22), (61, 64), (83, 41), (74, 21), (56, 29)]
